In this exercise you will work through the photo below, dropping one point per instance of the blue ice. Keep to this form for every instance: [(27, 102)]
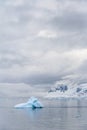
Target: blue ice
[(32, 103)]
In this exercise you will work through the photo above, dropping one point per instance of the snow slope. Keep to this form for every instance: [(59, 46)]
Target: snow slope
[(67, 90)]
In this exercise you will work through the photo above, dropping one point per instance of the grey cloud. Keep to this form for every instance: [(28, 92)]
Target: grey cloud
[(26, 57), (83, 68), (10, 60), (70, 21), (41, 79)]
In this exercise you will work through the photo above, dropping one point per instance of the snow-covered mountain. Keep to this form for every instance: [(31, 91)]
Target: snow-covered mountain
[(67, 90)]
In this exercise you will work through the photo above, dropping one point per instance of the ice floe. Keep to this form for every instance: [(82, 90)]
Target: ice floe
[(31, 103)]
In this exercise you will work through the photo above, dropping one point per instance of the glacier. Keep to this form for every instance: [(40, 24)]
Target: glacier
[(67, 90), (31, 103)]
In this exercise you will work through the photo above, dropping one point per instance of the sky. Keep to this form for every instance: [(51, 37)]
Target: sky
[(43, 41)]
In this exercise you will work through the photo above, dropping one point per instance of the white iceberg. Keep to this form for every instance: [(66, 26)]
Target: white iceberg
[(32, 103)]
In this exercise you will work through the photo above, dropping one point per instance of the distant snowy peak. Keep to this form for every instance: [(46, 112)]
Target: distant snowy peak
[(65, 91), (60, 87)]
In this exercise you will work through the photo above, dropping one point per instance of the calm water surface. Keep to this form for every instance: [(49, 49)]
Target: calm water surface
[(56, 115)]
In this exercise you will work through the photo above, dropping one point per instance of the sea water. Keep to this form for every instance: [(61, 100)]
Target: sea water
[(62, 114)]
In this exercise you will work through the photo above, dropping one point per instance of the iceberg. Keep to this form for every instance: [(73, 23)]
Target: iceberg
[(32, 103)]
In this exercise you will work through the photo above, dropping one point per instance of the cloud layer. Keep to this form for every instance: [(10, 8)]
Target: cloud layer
[(42, 41)]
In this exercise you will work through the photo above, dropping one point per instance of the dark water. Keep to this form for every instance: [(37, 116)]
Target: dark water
[(57, 115)]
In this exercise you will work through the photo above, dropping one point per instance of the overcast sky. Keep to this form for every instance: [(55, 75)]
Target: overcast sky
[(42, 41)]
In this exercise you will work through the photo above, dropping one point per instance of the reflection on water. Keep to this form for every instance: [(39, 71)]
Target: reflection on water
[(57, 115), (33, 114)]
